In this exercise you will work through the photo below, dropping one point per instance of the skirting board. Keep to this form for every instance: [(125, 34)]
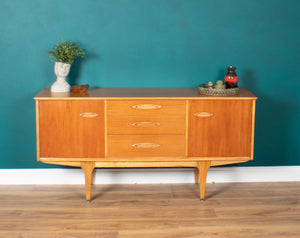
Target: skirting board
[(149, 176)]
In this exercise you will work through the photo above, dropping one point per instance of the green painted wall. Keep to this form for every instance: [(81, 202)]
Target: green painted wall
[(154, 43)]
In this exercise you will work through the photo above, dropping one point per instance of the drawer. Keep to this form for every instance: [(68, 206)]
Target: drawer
[(146, 107), (142, 124), (145, 145)]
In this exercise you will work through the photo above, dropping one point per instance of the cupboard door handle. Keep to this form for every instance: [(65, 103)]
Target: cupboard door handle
[(89, 114), (146, 124), (145, 145), (203, 114), (146, 106)]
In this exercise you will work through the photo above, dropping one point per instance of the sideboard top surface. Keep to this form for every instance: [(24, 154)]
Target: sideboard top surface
[(115, 93)]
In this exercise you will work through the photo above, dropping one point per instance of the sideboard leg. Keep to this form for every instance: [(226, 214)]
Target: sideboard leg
[(196, 175), (88, 168), (93, 177), (203, 168)]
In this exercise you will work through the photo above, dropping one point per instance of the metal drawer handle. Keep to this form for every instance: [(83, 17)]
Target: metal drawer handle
[(145, 145), (146, 106), (89, 114), (146, 124), (203, 114)]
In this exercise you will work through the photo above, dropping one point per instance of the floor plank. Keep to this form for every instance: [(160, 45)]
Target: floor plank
[(160, 210)]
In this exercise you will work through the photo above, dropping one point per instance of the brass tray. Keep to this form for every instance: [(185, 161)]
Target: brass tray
[(217, 92)]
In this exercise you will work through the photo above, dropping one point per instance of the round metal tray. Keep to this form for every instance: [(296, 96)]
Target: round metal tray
[(217, 92)]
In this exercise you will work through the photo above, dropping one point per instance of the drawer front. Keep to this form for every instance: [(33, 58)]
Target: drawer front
[(146, 107), (145, 145), (142, 124)]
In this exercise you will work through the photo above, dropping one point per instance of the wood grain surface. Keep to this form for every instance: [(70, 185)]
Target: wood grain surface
[(63, 132), (134, 93), (228, 132), (242, 210), (148, 124), (123, 145), (159, 107)]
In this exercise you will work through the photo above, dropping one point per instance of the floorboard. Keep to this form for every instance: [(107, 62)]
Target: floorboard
[(158, 211)]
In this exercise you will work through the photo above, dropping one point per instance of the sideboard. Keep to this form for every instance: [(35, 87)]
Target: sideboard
[(144, 127)]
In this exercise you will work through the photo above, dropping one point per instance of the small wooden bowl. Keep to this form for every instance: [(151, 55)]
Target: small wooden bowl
[(80, 88)]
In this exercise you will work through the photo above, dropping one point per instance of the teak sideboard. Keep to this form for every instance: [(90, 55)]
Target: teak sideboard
[(146, 127)]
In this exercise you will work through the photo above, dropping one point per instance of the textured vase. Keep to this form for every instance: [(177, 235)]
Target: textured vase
[(61, 71), (231, 77)]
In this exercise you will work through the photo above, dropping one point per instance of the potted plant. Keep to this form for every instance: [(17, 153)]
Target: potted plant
[(64, 55)]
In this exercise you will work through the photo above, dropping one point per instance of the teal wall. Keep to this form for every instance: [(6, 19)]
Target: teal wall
[(154, 43)]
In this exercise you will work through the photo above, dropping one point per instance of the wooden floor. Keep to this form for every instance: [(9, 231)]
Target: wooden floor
[(161, 210)]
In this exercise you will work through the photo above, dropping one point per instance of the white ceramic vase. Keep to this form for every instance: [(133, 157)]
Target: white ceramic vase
[(61, 71)]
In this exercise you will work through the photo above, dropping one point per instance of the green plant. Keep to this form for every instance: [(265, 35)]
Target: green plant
[(66, 52)]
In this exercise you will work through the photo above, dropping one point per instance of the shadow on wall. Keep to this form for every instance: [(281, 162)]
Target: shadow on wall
[(78, 65), (221, 74), (75, 72), (270, 120)]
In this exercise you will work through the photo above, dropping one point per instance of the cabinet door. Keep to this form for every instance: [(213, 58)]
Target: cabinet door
[(220, 128), (71, 129)]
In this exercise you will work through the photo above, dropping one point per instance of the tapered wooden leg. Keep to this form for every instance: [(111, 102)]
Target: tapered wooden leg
[(93, 177), (196, 175), (203, 168), (88, 168)]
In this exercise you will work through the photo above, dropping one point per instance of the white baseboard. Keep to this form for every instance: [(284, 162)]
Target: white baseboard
[(144, 176)]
